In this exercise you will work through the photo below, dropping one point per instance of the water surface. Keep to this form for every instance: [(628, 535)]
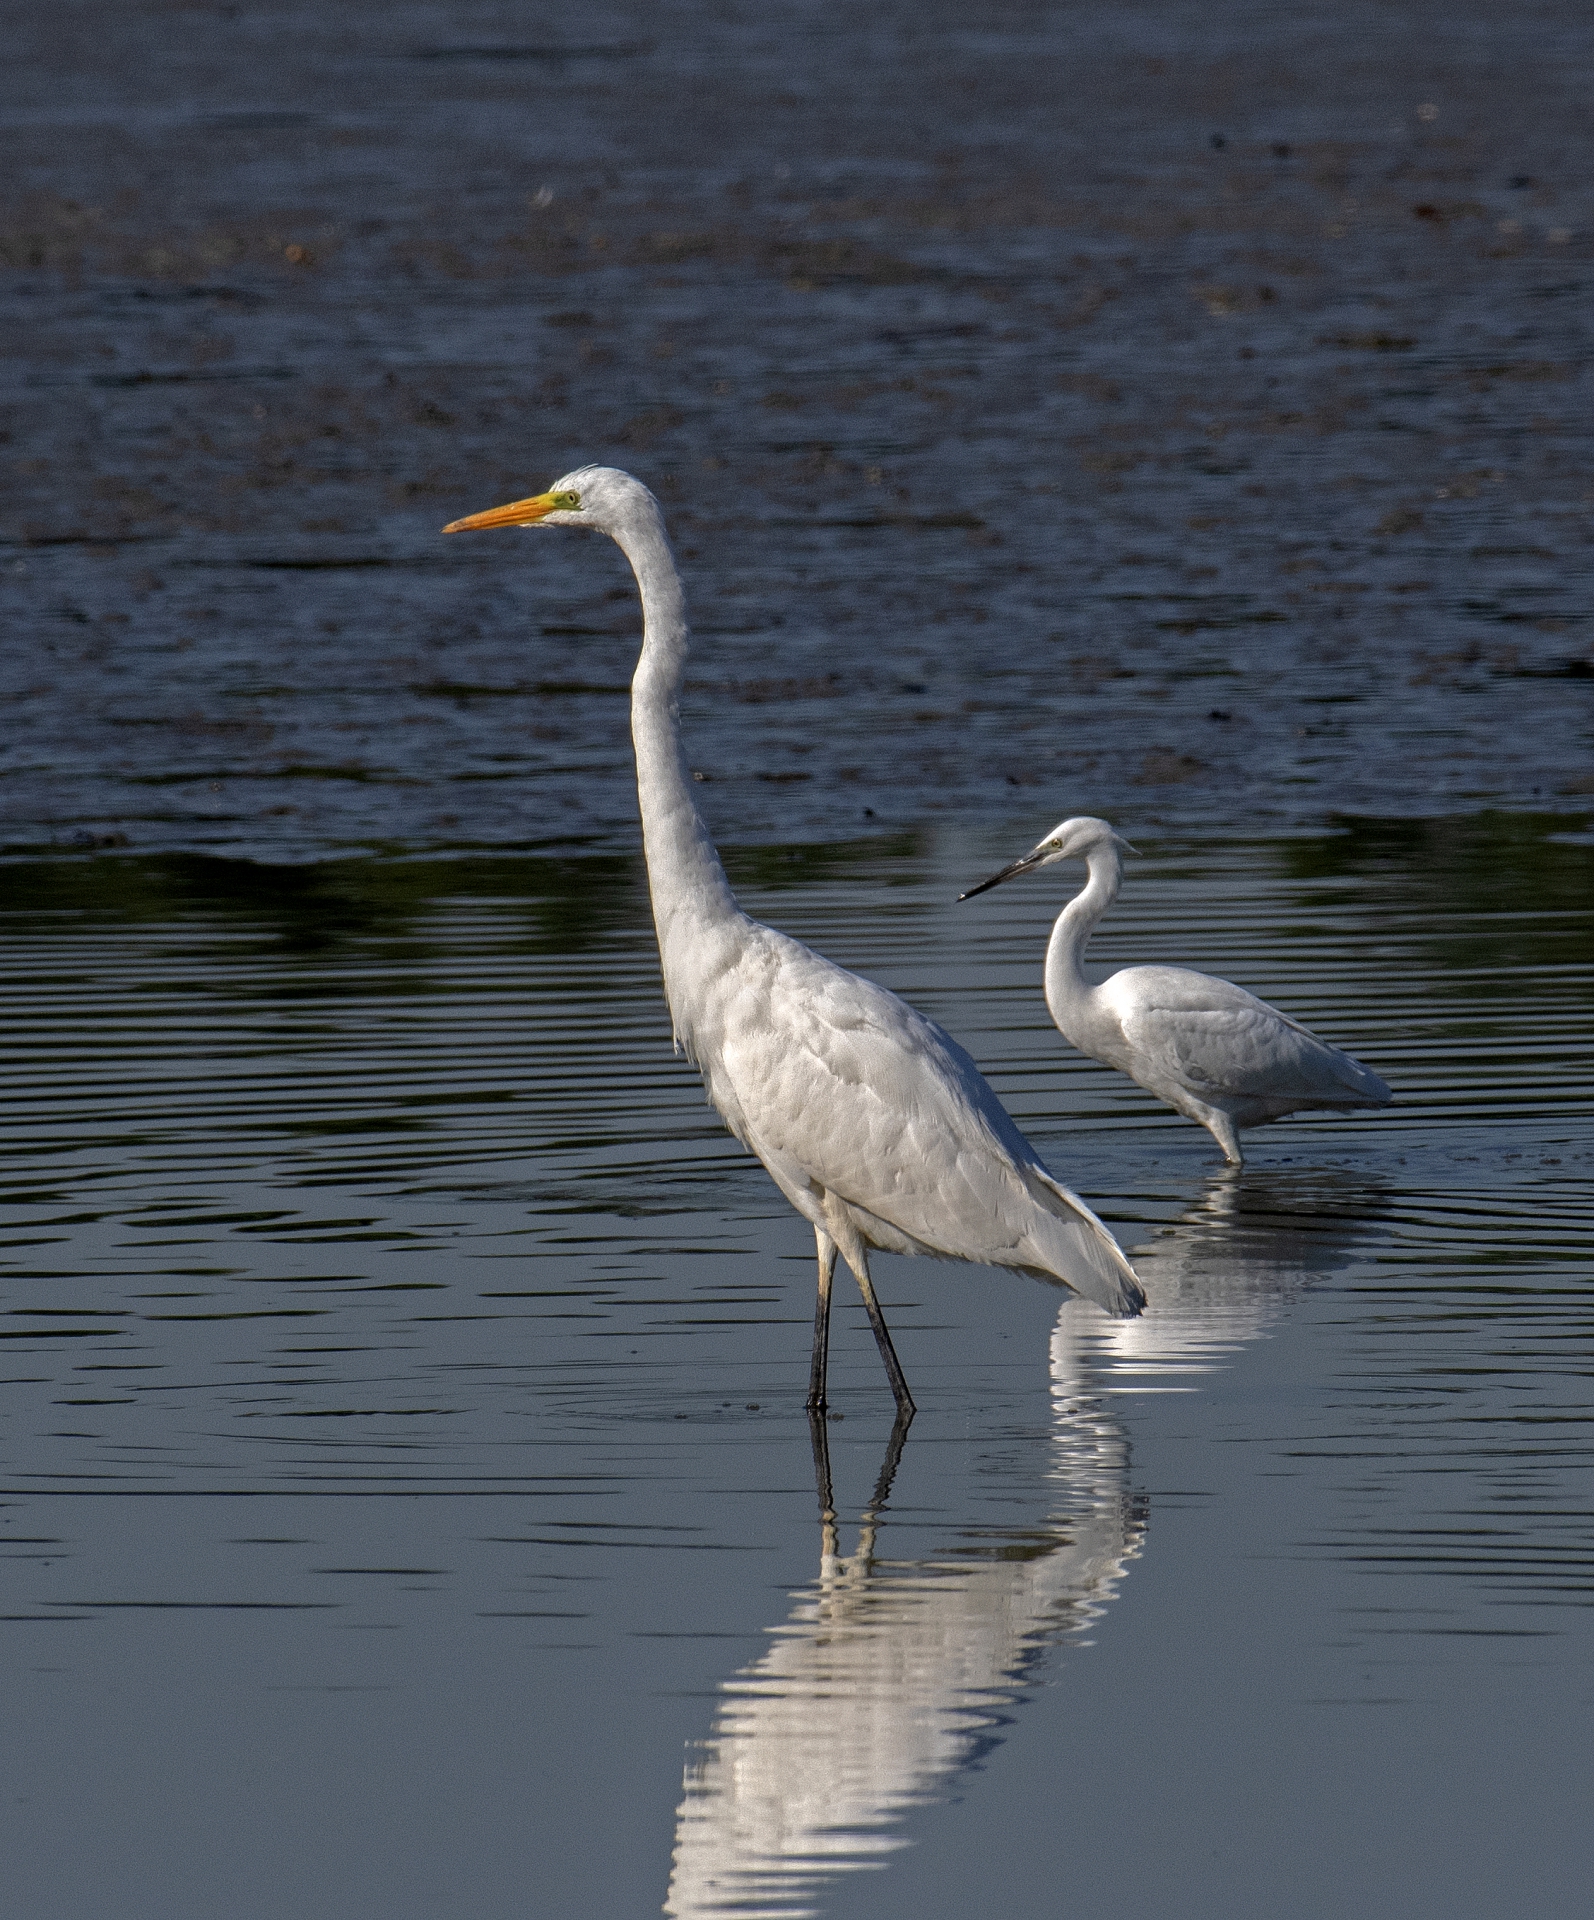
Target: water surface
[(408, 1505)]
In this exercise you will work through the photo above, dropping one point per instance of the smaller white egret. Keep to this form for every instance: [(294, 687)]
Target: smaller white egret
[(1204, 1045)]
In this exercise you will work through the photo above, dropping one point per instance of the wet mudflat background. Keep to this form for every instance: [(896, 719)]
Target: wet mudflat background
[(406, 1506), (407, 1487), (1181, 408)]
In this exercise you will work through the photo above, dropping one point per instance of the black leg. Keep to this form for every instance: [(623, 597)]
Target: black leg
[(820, 1364), (888, 1353)]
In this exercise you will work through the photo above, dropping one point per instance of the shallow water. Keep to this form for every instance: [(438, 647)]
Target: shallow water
[(409, 1508)]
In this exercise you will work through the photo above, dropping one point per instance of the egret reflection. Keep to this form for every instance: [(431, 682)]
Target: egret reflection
[(1221, 1276), (890, 1678), (886, 1680)]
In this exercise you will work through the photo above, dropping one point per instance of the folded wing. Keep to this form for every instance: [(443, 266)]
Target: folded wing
[(829, 1073), (1217, 1040)]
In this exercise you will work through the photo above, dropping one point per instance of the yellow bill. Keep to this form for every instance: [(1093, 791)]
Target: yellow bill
[(518, 513)]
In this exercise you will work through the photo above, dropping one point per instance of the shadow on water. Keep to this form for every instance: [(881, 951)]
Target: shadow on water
[(572, 901), (889, 859), (1458, 880), (891, 1678)]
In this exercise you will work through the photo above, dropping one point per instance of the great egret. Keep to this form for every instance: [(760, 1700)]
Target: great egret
[(876, 1125), (1204, 1045)]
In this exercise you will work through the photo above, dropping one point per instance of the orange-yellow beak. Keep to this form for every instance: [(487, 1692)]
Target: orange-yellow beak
[(519, 513)]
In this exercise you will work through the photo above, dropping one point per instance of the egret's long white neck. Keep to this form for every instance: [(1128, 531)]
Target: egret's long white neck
[(691, 895), (1066, 985)]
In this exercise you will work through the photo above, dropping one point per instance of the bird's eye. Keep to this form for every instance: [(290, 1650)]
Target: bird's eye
[(567, 502)]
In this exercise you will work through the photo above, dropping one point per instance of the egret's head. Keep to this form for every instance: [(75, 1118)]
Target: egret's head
[(1073, 839), (602, 498)]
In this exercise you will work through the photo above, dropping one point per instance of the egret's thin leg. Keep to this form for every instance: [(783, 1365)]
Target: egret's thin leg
[(819, 1366), (877, 1320)]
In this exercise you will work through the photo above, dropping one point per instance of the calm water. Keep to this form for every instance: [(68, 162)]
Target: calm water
[(409, 1509)]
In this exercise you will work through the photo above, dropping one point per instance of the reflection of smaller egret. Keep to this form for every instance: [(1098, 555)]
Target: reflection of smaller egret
[(1204, 1045), (1220, 1277)]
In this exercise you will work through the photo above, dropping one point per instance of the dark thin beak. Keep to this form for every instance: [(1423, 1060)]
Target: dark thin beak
[(1017, 866)]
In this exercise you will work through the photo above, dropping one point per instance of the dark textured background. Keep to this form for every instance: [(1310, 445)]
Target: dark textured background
[(1173, 412), (1179, 411)]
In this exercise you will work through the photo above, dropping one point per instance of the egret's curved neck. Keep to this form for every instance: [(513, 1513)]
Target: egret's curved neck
[(690, 891), (1066, 985)]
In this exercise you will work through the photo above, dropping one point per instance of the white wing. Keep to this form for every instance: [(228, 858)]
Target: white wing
[(819, 1070), (1219, 1041)]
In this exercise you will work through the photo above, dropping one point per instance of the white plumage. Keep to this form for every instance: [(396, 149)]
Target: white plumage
[(874, 1123), (1204, 1045)]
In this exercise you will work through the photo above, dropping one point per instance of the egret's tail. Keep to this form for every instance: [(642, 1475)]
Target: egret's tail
[(1076, 1248), (1340, 1082), (1365, 1087)]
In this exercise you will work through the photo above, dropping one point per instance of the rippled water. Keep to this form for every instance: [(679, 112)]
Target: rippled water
[(408, 1505)]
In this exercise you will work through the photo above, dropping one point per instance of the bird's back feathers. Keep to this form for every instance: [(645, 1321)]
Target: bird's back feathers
[(835, 1082), (1219, 1042)]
